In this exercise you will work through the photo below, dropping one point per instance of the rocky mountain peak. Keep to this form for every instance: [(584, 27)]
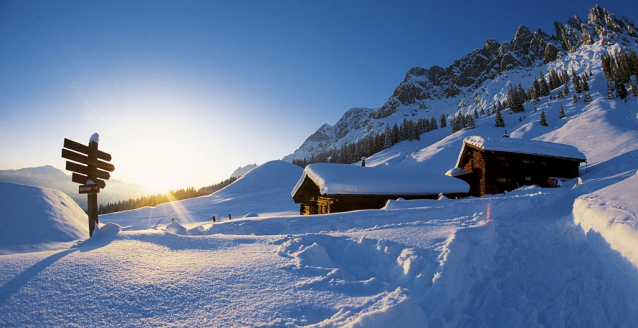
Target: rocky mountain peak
[(420, 86)]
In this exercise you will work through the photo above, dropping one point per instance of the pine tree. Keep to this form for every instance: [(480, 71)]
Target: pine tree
[(469, 122), (443, 121), (387, 143), (566, 90), (610, 92), (585, 85), (575, 99), (515, 99), (544, 86), (634, 89), (561, 111), (576, 81), (453, 125), (433, 125), (543, 118), (500, 123), (521, 93), (395, 134)]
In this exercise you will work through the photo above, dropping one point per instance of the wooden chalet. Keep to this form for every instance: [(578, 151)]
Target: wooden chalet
[(329, 188), (493, 166)]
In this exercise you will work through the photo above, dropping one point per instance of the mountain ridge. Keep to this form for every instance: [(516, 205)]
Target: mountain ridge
[(429, 92)]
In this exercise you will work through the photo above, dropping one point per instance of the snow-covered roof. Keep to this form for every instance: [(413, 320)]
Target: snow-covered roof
[(455, 172), (340, 179), (521, 146)]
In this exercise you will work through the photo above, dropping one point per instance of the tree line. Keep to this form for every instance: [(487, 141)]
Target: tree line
[(373, 143), (154, 200)]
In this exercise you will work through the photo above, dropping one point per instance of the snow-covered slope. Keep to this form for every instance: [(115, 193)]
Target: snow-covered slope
[(263, 191), (34, 218)]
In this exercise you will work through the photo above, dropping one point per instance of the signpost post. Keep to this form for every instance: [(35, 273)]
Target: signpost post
[(91, 175)]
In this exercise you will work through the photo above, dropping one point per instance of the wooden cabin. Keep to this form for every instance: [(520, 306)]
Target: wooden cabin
[(329, 188), (493, 166)]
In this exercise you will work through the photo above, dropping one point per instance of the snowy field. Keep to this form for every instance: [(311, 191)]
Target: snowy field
[(532, 257)]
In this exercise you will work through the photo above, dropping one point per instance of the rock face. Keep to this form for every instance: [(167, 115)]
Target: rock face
[(420, 85)]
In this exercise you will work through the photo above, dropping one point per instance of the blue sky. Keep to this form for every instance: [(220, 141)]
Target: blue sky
[(184, 92)]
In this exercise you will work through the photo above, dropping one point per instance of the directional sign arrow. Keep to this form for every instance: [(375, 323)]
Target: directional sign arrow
[(82, 169), (76, 157), (85, 149), (78, 178)]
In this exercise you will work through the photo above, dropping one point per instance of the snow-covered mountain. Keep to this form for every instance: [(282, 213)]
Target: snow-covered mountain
[(240, 171), (480, 78), (51, 177)]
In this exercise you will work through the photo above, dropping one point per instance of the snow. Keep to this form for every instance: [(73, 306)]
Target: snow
[(34, 218), (340, 179), (95, 138), (455, 172), (531, 257), (612, 213), (521, 146)]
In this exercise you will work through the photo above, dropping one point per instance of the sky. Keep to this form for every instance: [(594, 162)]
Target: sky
[(184, 92)]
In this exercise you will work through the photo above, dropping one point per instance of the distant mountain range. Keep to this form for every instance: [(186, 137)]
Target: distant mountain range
[(430, 92), (50, 177)]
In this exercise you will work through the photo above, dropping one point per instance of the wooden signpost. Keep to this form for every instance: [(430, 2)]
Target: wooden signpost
[(90, 169)]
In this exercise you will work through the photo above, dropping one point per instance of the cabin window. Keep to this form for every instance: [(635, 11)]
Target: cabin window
[(527, 161), (528, 179), (502, 158), (543, 163), (501, 179)]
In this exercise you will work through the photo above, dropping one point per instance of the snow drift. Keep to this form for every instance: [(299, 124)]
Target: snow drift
[(35, 218)]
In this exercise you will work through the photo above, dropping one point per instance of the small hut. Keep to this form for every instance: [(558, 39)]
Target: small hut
[(493, 166), (329, 188)]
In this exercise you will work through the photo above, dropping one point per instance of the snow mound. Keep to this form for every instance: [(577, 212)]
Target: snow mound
[(35, 218), (613, 213), (176, 228), (396, 309)]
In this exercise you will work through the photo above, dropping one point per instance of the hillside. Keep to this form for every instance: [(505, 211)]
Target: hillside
[(480, 79)]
